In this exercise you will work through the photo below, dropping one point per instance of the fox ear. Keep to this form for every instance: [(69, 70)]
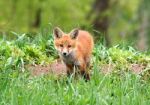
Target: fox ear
[(57, 32), (74, 33)]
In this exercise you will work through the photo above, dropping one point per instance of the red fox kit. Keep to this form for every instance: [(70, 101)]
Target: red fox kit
[(75, 49)]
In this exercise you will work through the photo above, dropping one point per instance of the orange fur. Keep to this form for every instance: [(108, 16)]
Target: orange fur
[(78, 46)]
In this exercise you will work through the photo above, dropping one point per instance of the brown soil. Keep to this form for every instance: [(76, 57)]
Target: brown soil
[(137, 68), (107, 68), (59, 69), (56, 68)]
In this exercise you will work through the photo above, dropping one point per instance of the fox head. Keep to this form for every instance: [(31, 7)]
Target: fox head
[(64, 43)]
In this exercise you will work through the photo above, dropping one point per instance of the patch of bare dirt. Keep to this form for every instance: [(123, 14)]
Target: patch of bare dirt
[(107, 68), (137, 68), (57, 68)]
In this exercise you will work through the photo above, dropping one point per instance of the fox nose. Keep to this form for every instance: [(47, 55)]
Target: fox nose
[(64, 53)]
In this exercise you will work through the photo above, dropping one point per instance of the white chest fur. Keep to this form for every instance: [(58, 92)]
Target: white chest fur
[(70, 59)]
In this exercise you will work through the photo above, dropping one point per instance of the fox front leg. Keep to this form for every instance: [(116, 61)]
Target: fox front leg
[(69, 69), (84, 71)]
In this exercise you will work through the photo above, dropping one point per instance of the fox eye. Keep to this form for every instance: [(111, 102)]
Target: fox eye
[(69, 46), (61, 45)]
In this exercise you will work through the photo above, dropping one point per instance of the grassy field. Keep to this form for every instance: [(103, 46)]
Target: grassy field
[(120, 87)]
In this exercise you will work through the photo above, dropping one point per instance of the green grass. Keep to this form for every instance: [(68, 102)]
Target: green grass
[(121, 87)]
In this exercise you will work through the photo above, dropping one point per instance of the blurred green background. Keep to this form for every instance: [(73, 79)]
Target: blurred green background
[(117, 21)]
